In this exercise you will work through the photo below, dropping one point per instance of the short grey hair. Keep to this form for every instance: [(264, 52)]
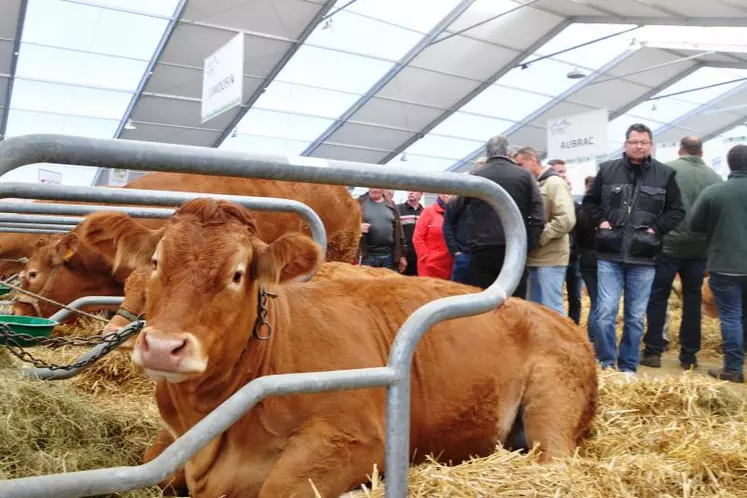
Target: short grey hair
[(497, 146)]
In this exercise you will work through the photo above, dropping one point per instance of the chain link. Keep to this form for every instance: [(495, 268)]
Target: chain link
[(112, 341), (262, 315)]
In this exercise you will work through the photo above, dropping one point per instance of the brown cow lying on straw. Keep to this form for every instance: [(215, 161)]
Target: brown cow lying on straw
[(471, 376)]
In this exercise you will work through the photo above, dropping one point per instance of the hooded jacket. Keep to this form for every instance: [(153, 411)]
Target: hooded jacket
[(554, 241), (434, 258)]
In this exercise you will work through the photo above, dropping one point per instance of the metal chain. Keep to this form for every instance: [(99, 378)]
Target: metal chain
[(262, 315), (37, 296), (112, 341)]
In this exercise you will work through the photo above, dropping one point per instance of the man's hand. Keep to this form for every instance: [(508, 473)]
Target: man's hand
[(402, 264), (365, 227), (605, 225)]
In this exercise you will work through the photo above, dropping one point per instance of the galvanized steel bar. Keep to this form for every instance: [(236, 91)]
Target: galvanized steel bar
[(45, 226), (157, 197), (82, 209), (79, 303), (46, 373), (19, 151), (40, 231), (31, 218)]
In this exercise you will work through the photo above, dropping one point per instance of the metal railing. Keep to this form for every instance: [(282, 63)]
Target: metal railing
[(82, 209), (155, 197), (36, 218), (396, 376)]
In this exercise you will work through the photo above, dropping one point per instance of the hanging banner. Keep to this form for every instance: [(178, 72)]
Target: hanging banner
[(223, 78), (578, 140), (50, 177)]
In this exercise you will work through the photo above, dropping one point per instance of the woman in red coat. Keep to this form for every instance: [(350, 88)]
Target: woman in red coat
[(434, 259)]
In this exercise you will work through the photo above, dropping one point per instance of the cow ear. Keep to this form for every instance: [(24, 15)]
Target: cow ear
[(122, 241), (289, 257), (65, 248)]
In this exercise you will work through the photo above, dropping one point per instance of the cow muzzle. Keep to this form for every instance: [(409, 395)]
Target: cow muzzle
[(171, 357)]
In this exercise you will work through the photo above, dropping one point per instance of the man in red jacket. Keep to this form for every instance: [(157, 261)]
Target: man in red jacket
[(434, 259)]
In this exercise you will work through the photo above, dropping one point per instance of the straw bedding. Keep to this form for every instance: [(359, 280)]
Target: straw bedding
[(674, 436)]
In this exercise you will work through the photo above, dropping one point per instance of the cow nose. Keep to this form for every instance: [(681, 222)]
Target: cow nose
[(158, 351)]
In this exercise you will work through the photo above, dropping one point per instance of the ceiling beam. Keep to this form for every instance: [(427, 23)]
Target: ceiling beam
[(13, 65), (248, 103), (694, 112), (734, 4), (665, 21), (165, 37), (724, 129), (550, 105), (514, 63), (413, 53)]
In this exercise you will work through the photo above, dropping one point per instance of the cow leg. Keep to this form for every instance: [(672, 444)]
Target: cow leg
[(334, 461), (175, 484)]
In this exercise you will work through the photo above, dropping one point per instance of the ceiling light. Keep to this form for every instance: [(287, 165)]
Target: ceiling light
[(575, 74)]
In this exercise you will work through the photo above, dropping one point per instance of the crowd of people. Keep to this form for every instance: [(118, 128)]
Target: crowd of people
[(639, 224)]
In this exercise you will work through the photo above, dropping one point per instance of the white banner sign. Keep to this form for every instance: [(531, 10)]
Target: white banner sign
[(118, 177), (223, 78), (578, 138), (50, 177)]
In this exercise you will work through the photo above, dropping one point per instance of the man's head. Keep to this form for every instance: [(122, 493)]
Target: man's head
[(414, 196), (529, 159), (559, 166), (737, 158), (588, 182), (376, 194), (497, 146), (638, 142), (691, 146)]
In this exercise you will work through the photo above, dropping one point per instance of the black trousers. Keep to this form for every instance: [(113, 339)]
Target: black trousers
[(691, 273), (574, 287), (484, 266)]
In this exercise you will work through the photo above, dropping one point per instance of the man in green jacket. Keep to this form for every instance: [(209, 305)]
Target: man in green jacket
[(683, 252), (721, 213)]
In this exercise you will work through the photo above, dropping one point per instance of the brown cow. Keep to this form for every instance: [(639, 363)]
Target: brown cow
[(86, 273), (14, 248), (471, 376)]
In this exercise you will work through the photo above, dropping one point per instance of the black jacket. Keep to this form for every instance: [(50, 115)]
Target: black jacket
[(632, 199), (455, 229), (484, 226)]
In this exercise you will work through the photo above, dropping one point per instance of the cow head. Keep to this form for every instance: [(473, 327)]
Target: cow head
[(62, 268), (207, 268), (14, 248)]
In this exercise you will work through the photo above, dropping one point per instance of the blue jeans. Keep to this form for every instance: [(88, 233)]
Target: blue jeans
[(612, 278), (546, 286), (691, 273), (460, 268), (378, 261), (730, 295)]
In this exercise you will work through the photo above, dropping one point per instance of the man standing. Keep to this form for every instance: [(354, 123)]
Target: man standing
[(486, 239), (684, 252), (548, 263), (382, 240), (634, 202), (721, 213), (409, 212)]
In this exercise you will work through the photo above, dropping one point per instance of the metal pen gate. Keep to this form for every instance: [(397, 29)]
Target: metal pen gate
[(125, 154)]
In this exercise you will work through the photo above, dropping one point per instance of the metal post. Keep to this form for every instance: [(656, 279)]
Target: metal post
[(39, 231), (81, 302), (82, 209), (19, 151)]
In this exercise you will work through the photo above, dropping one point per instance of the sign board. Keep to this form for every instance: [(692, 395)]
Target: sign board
[(223, 78), (578, 140), (118, 177), (50, 177)]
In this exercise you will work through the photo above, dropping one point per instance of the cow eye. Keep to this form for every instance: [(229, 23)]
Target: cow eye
[(237, 277), (154, 264), (33, 274)]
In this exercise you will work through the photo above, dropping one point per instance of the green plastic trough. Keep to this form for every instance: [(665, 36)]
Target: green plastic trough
[(38, 327)]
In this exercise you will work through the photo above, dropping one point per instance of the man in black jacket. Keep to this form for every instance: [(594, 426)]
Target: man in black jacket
[(486, 239), (633, 202)]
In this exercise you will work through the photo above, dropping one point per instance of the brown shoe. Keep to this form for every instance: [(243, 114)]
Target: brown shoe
[(722, 374)]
